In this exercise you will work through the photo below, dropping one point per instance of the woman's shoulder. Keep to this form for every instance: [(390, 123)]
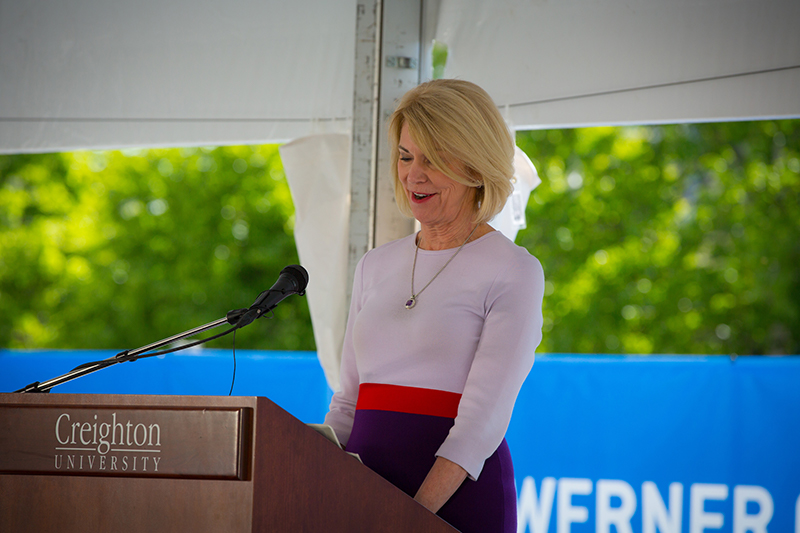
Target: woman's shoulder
[(503, 251), (388, 252), (513, 272)]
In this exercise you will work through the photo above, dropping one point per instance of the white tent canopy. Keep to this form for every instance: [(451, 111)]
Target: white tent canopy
[(78, 74), (573, 63), (96, 74)]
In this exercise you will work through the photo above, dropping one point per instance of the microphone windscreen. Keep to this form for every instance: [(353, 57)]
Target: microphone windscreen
[(299, 274)]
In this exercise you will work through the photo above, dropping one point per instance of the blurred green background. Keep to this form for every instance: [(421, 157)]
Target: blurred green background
[(658, 239), (669, 239)]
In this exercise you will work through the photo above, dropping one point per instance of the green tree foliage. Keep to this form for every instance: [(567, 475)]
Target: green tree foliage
[(664, 239), (668, 239), (439, 59), (118, 249)]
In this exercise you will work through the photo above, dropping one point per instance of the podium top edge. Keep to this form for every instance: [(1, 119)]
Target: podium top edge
[(127, 400)]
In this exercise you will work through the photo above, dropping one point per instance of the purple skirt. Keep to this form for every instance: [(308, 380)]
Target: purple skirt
[(401, 447)]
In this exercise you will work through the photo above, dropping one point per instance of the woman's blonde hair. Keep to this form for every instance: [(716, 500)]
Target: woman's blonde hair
[(457, 120)]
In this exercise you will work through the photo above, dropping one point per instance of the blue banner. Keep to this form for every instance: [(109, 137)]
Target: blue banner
[(658, 444), (601, 444), (293, 380)]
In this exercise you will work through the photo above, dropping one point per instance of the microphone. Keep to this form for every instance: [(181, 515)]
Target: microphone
[(292, 280)]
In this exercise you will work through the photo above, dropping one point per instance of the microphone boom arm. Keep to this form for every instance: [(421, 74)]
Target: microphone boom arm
[(293, 280), (124, 356)]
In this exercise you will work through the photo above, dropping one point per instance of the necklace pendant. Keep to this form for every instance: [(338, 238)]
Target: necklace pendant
[(411, 302)]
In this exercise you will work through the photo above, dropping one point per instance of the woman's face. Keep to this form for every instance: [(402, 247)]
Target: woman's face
[(435, 199)]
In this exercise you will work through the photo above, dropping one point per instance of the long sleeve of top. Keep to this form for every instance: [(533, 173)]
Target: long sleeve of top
[(473, 331)]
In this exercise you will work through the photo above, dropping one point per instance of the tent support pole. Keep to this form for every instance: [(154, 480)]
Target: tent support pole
[(364, 141), (387, 64)]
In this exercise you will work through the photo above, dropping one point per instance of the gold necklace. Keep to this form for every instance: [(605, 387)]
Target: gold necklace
[(411, 302)]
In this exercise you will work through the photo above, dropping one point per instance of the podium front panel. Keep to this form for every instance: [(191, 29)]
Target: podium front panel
[(152, 442), (71, 463)]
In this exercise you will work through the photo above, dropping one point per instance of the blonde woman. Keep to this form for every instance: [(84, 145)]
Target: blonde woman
[(443, 324)]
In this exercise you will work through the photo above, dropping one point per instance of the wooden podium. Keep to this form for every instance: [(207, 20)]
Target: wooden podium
[(114, 463)]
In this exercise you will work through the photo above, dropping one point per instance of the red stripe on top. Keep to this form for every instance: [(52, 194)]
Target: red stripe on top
[(413, 400)]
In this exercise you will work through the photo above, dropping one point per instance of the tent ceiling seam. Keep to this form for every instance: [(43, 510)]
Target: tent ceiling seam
[(654, 86)]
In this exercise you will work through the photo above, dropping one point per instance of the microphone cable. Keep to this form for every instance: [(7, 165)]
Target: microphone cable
[(233, 378)]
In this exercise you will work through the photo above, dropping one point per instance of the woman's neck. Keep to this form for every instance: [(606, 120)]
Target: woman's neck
[(444, 238)]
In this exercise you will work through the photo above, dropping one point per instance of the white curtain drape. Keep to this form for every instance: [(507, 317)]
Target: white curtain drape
[(317, 168)]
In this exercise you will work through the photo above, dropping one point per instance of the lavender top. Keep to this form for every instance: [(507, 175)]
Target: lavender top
[(473, 331)]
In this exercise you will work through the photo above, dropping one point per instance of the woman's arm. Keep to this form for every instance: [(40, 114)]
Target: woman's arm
[(441, 482), (343, 404), (512, 330)]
